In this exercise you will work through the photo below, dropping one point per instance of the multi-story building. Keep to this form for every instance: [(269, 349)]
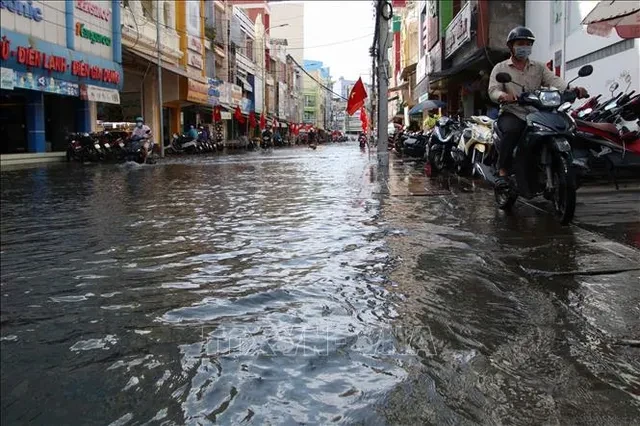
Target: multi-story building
[(316, 97), (61, 64), (568, 46)]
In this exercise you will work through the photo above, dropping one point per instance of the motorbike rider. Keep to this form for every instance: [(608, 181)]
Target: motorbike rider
[(530, 74), (193, 133), (142, 132)]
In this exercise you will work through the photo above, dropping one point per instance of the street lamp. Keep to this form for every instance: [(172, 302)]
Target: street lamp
[(264, 65)]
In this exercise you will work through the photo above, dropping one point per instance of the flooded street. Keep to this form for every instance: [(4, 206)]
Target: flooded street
[(293, 287)]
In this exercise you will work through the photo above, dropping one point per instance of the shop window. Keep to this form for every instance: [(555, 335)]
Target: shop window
[(249, 49), (309, 101)]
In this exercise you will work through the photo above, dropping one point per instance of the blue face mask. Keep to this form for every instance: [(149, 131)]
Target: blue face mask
[(139, 124), (522, 52)]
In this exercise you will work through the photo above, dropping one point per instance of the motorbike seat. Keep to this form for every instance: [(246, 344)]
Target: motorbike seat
[(605, 127)]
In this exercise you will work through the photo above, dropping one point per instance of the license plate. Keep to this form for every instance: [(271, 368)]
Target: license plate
[(97, 146), (106, 145)]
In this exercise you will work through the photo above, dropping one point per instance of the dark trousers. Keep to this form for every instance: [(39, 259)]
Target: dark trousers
[(511, 127)]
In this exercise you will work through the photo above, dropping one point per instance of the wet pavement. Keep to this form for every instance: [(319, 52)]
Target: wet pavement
[(291, 287)]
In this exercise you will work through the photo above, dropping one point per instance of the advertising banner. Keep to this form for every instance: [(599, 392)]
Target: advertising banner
[(458, 32), (258, 93), (236, 95), (214, 91), (7, 78), (31, 81), (89, 92), (198, 92)]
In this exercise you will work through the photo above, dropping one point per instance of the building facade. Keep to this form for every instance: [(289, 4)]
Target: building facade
[(59, 61), (568, 46)]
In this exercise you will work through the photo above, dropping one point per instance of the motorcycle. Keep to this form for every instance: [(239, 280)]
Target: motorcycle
[(542, 159), (83, 147), (134, 149), (475, 144), (438, 154), (181, 144), (266, 141), (415, 145), (362, 141)]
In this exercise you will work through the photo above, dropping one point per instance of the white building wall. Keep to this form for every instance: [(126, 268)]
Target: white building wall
[(547, 20), (290, 13), (98, 24)]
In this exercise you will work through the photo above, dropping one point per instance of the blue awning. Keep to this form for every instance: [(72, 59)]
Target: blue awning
[(428, 104)]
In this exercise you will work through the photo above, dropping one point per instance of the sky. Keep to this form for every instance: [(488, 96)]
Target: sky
[(347, 26)]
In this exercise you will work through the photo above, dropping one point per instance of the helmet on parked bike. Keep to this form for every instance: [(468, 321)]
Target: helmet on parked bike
[(520, 33)]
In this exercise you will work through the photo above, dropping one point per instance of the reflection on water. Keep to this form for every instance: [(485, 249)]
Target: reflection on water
[(257, 289)]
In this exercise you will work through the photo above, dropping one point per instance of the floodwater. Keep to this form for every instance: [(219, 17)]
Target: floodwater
[(291, 287)]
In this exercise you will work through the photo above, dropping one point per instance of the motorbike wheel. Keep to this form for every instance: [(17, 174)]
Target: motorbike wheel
[(564, 196), (436, 162)]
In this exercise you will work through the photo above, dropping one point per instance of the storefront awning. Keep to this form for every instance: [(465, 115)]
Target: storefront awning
[(408, 70), (245, 83)]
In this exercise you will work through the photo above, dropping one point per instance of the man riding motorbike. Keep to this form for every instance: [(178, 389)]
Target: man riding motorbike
[(530, 74), (142, 132)]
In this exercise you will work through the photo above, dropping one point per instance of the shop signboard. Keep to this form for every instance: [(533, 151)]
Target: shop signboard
[(45, 83), (24, 8), (53, 61), (94, 9), (433, 23), (458, 32), (225, 93), (89, 92), (421, 68), (435, 58), (236, 95), (214, 91), (258, 93), (423, 98), (245, 105), (282, 100), (225, 115), (7, 78), (197, 92)]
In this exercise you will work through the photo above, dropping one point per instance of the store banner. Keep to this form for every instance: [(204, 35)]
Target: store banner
[(236, 94), (245, 105), (458, 32), (7, 78), (225, 115), (214, 91), (258, 93), (31, 81), (92, 93), (197, 92)]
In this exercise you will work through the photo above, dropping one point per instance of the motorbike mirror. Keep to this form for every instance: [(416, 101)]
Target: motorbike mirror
[(614, 86), (585, 71), (503, 77)]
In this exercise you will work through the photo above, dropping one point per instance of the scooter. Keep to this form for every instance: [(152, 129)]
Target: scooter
[(182, 144), (474, 145), (134, 149), (442, 141), (542, 159)]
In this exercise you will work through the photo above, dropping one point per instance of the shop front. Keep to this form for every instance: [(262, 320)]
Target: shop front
[(50, 82)]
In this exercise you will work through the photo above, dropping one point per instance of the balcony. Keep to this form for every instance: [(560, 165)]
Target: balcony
[(143, 37), (245, 63)]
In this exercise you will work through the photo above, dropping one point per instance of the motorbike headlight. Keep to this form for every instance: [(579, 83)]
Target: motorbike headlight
[(541, 127), (550, 98)]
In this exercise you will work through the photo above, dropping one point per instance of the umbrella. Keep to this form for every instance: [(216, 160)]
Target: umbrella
[(428, 104), (624, 16)]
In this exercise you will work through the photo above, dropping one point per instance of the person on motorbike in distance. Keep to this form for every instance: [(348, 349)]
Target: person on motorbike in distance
[(142, 132), (530, 74)]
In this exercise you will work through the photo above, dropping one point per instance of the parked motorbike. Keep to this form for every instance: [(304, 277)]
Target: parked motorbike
[(474, 145), (542, 160), (442, 142), (415, 145), (83, 147), (266, 141), (181, 144)]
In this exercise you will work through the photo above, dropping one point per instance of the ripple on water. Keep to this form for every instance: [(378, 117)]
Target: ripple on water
[(87, 345)]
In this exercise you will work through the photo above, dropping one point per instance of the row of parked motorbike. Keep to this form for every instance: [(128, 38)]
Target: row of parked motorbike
[(559, 147), (115, 145)]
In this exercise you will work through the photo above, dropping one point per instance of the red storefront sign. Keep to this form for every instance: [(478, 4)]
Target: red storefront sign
[(34, 58)]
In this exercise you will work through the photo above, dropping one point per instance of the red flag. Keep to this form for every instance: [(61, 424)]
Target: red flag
[(364, 119), (252, 119), (217, 116), (356, 97), (238, 115), (263, 122)]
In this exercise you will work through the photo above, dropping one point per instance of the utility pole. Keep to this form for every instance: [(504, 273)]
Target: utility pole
[(384, 8), (158, 6)]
